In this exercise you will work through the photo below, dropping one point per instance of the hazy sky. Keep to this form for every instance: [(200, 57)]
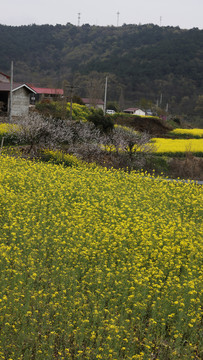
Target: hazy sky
[(183, 13)]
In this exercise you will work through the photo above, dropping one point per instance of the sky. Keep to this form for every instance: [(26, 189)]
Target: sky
[(186, 14)]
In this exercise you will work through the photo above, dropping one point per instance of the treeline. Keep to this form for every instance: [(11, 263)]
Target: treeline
[(159, 64)]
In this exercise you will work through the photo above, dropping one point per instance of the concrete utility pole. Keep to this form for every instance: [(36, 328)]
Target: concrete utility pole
[(105, 95), (11, 95), (71, 102), (71, 89)]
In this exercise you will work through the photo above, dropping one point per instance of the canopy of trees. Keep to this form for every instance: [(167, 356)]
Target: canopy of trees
[(142, 61)]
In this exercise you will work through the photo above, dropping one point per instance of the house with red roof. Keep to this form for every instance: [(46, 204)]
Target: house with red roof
[(23, 95), (134, 111), (45, 93), (96, 103)]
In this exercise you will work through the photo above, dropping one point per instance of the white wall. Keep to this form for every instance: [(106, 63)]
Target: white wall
[(139, 112)]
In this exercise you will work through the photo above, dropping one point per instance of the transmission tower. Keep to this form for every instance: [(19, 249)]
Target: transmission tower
[(118, 18), (79, 19), (160, 20)]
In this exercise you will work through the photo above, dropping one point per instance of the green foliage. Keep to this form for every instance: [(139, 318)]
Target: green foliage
[(8, 134), (77, 100), (144, 61), (56, 110), (60, 158), (79, 112), (112, 106), (61, 110), (101, 121), (158, 164), (199, 106)]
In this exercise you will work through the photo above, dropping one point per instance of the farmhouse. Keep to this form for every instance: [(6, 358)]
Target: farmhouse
[(45, 93), (20, 98), (96, 103), (134, 111)]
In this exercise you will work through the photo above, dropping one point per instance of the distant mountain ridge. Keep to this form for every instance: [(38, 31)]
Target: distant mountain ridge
[(142, 61)]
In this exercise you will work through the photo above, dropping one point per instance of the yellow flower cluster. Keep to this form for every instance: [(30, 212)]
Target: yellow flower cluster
[(6, 128), (59, 157), (190, 132), (126, 128), (98, 264), (80, 112), (178, 145)]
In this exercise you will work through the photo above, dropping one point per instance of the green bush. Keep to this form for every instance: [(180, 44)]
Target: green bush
[(56, 110), (157, 163), (60, 158), (101, 121), (79, 111)]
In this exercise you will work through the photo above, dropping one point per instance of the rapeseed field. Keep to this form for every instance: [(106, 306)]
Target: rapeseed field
[(98, 264), (188, 132), (173, 146)]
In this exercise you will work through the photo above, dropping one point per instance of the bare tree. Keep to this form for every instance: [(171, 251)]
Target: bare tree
[(128, 146), (83, 139), (38, 132), (95, 88)]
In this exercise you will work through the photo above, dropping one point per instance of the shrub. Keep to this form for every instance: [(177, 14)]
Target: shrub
[(55, 109), (127, 140), (59, 157), (8, 133), (83, 139), (79, 111), (101, 121)]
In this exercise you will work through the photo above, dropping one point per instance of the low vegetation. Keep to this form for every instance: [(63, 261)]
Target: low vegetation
[(98, 138), (178, 147), (98, 264), (187, 133), (88, 140), (61, 110)]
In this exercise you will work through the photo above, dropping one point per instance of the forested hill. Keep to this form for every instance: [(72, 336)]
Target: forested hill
[(142, 61)]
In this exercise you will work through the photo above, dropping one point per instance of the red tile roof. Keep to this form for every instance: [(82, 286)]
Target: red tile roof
[(90, 101), (6, 86), (131, 109), (49, 91)]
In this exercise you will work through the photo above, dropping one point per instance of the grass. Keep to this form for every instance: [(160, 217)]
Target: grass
[(98, 264)]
